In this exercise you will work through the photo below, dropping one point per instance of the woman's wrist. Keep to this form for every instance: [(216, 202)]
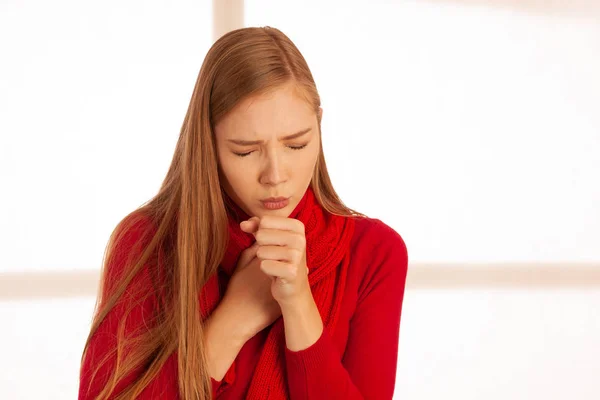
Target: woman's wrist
[(223, 342)]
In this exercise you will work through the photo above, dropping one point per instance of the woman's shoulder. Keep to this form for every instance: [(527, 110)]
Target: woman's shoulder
[(377, 234), (131, 234), (379, 255), (126, 244)]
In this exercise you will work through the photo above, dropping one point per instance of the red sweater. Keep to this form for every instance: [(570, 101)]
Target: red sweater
[(356, 361)]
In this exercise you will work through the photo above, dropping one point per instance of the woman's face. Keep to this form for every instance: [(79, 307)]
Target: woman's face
[(270, 167)]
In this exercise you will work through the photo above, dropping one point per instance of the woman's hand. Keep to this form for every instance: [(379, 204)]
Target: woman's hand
[(282, 251), (248, 302)]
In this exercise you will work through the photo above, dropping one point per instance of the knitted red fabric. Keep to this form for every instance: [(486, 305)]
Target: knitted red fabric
[(328, 239)]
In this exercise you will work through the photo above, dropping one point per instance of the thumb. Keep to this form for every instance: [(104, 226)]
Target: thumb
[(250, 225)]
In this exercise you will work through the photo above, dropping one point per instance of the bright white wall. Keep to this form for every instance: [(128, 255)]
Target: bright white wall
[(92, 97), (473, 131)]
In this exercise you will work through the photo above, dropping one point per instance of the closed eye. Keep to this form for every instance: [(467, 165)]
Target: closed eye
[(291, 147)]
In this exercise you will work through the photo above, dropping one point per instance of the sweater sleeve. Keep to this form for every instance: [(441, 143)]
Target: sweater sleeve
[(367, 369), (104, 338)]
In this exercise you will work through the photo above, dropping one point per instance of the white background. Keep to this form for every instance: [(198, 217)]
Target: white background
[(473, 130)]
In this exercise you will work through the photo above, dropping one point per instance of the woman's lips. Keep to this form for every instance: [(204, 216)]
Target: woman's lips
[(275, 205)]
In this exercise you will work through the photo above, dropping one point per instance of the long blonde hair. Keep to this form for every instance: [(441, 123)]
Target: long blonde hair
[(189, 213)]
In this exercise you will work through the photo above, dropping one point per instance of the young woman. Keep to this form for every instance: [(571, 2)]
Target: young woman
[(246, 277)]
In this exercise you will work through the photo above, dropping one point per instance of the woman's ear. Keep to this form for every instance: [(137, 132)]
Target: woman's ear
[(320, 113)]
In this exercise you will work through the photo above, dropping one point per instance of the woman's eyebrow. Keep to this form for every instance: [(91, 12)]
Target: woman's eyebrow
[(250, 142)]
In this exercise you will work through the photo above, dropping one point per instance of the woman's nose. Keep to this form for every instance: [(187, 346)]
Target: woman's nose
[(274, 172)]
